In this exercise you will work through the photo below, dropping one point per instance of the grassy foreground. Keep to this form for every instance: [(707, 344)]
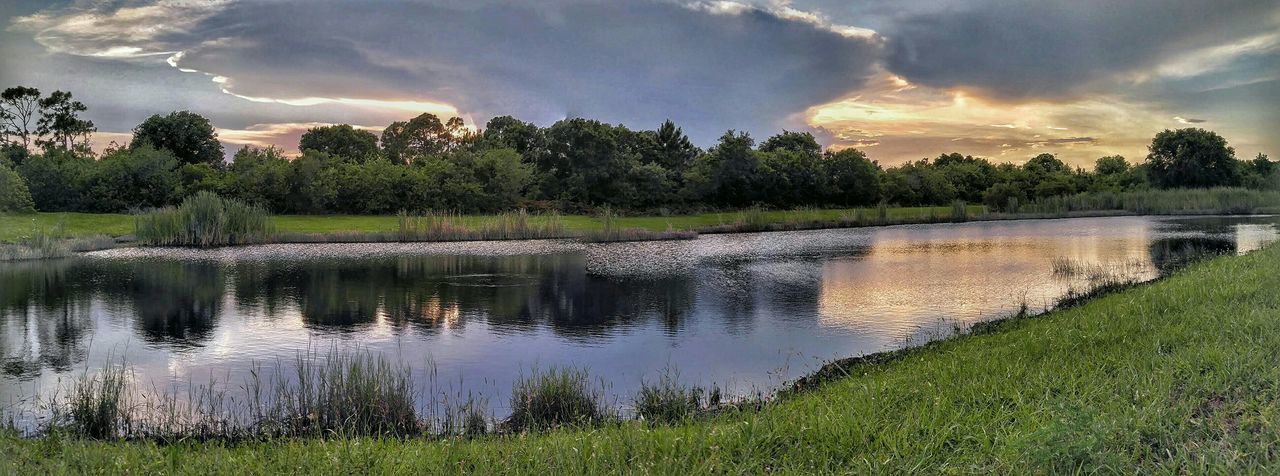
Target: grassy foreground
[(1177, 376)]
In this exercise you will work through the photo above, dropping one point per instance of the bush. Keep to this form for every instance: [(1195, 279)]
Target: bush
[(15, 197), (555, 398), (56, 180), (137, 178)]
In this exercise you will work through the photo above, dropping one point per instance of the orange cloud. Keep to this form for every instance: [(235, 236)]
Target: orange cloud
[(896, 121)]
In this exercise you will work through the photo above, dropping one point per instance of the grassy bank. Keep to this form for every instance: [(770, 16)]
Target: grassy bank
[(1178, 376), (608, 226), (15, 227)]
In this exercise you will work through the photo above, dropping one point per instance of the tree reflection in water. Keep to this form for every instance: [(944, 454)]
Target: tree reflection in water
[(49, 310)]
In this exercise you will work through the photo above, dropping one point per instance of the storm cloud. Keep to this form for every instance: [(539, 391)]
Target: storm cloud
[(901, 80), (636, 63), (1036, 49)]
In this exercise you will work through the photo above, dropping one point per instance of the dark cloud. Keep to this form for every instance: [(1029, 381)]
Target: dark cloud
[(1038, 49), (635, 62)]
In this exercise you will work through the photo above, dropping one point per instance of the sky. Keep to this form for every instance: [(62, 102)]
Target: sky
[(900, 80)]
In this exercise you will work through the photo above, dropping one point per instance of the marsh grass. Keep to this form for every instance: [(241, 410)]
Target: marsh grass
[(98, 406), (556, 397), (345, 392), (449, 226), (1220, 200), (611, 230), (470, 419), (1096, 272), (959, 211), (670, 401), (52, 243), (38, 244), (757, 219), (204, 220)]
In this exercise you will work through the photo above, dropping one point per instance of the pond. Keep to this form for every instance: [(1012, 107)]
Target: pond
[(746, 312)]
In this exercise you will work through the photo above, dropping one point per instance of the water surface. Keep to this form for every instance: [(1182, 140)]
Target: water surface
[(745, 311)]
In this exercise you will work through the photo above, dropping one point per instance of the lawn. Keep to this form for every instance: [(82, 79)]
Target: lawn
[(14, 227), (1178, 376)]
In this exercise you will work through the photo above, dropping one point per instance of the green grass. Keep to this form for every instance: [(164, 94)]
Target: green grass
[(15, 226), (1174, 377)]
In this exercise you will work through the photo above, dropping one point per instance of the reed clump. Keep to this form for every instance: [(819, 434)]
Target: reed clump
[(667, 400), (554, 398), (959, 211), (98, 406), (754, 218), (203, 220), (348, 393)]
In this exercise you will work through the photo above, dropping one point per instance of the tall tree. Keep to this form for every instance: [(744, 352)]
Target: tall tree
[(588, 161), (341, 141), (802, 142), (189, 136), (1046, 164), (1192, 157), (735, 169), (19, 106), (1111, 165), (852, 179), (421, 137), (60, 125), (674, 150), (507, 131)]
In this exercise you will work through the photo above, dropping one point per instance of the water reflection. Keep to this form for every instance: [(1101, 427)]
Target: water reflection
[(721, 308)]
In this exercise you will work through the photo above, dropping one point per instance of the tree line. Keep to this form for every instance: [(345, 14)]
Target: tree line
[(574, 165)]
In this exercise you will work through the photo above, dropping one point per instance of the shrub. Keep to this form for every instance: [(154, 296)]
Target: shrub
[(15, 197)]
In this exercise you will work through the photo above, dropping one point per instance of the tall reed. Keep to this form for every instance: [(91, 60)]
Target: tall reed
[(349, 393), (1224, 200), (611, 230), (450, 226), (202, 220), (98, 406), (959, 211), (553, 398), (667, 400)]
